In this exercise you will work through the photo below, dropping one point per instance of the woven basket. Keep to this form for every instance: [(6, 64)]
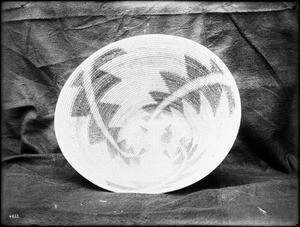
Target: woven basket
[(148, 114)]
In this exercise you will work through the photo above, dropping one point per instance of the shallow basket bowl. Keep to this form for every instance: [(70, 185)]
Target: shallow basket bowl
[(148, 114)]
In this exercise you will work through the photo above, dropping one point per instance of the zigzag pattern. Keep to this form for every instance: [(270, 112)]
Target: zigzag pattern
[(102, 82)]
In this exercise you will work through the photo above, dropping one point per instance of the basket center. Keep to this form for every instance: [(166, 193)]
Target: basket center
[(158, 142)]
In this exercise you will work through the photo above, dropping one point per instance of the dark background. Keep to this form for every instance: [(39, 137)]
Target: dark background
[(43, 42)]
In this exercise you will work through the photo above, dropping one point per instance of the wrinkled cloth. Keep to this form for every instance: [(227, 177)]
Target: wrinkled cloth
[(43, 43)]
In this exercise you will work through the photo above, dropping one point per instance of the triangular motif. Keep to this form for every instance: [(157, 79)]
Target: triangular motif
[(80, 106), (173, 81), (114, 132), (231, 100), (107, 111), (214, 68), (106, 57), (194, 68), (94, 132), (102, 82), (78, 81), (193, 98), (213, 94), (160, 96)]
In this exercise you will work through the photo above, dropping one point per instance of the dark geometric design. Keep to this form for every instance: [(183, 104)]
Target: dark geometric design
[(102, 82), (194, 68), (151, 107), (81, 106), (114, 131), (101, 85), (231, 100), (107, 111), (213, 93), (160, 96), (142, 151), (97, 75), (193, 98), (173, 81), (131, 160), (128, 160), (166, 137), (214, 68), (108, 56), (94, 132), (112, 150), (122, 145), (78, 81), (101, 60)]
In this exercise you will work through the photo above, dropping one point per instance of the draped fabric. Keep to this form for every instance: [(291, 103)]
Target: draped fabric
[(42, 44)]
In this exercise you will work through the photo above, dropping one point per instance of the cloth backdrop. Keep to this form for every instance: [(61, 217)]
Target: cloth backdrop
[(43, 42)]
